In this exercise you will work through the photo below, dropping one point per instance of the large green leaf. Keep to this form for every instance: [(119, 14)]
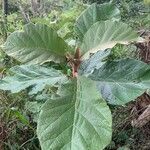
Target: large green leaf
[(106, 34), (93, 14), (78, 120), (122, 81), (36, 44), (31, 75)]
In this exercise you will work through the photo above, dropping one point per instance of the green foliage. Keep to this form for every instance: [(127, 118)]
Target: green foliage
[(34, 108), (106, 34), (71, 123), (14, 22), (131, 8), (65, 23), (17, 123), (98, 1), (38, 77), (147, 2), (123, 51), (36, 38), (123, 80), (62, 20), (135, 12), (75, 116), (93, 14), (94, 62), (141, 21)]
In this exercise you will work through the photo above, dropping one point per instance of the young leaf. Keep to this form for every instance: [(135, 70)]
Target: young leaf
[(36, 76), (122, 81), (93, 14), (20, 116), (36, 44), (79, 119), (106, 34)]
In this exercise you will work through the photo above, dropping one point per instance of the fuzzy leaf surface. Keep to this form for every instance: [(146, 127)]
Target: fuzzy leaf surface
[(106, 34), (122, 81), (36, 44), (94, 62), (78, 120), (25, 76), (93, 14)]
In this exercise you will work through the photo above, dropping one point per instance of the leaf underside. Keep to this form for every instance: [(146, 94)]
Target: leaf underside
[(79, 119), (38, 77), (122, 81), (94, 62)]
